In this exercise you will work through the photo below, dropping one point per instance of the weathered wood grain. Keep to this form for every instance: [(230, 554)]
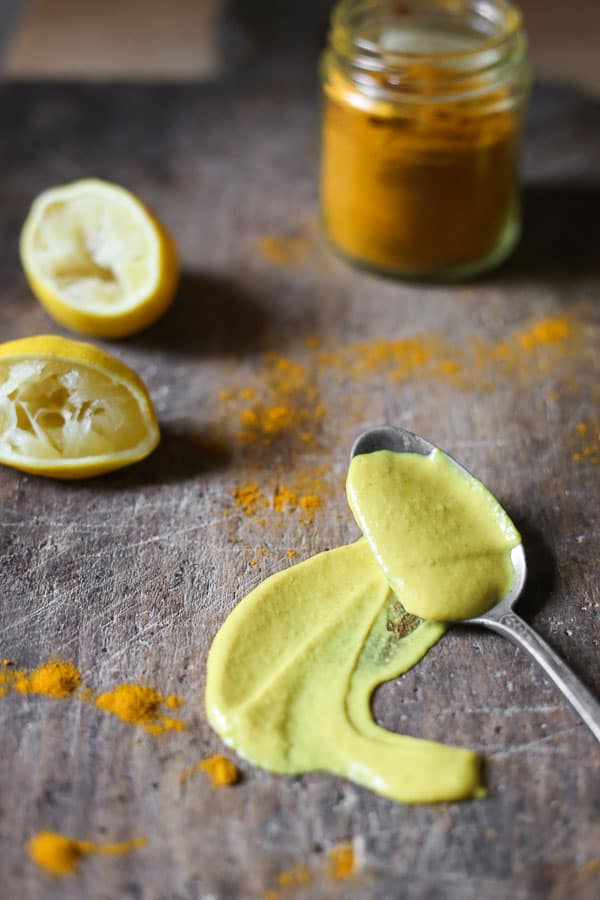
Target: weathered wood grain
[(131, 575)]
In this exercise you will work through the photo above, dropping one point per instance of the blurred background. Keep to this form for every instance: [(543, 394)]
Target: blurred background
[(199, 39)]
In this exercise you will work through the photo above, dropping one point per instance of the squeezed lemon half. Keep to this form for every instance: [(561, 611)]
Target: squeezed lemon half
[(70, 410), (97, 259)]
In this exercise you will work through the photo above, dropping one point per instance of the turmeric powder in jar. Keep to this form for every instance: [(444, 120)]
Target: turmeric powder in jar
[(423, 105)]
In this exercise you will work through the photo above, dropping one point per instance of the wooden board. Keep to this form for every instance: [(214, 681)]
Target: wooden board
[(116, 39), (160, 40), (130, 576)]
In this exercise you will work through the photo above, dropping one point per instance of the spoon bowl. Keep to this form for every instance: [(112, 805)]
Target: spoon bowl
[(501, 618), (399, 440)]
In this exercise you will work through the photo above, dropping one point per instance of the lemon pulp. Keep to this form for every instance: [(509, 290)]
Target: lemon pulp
[(50, 410), (71, 410), (97, 259), (95, 254)]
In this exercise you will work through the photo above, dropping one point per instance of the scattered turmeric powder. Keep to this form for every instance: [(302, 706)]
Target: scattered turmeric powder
[(221, 770), (294, 877), (248, 497), (140, 705), (286, 396), (592, 865), (288, 878), (342, 862), (305, 494), (287, 405), (402, 357), (550, 330), (588, 434), (61, 855), (266, 421), (309, 503), (530, 343), (56, 678), (284, 250), (284, 497), (460, 366), (132, 703)]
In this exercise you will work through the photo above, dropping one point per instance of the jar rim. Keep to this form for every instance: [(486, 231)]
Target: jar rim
[(344, 42), (498, 60)]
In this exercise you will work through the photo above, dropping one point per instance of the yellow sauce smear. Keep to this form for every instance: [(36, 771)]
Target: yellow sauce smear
[(60, 855), (292, 671)]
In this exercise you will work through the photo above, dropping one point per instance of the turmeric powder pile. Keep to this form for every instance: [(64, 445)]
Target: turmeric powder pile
[(221, 771), (56, 678), (134, 703), (60, 855), (342, 861), (140, 705)]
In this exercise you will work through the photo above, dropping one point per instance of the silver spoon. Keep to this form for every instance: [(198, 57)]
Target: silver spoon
[(500, 617)]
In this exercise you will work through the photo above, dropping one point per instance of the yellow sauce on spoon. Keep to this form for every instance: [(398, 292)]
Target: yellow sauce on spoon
[(442, 540), (291, 672)]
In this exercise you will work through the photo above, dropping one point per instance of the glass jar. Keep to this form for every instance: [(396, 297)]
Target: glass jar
[(423, 105)]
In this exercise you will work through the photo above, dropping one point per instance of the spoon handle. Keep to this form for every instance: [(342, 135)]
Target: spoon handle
[(519, 632)]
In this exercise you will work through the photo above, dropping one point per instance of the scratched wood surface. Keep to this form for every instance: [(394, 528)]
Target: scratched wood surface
[(130, 576)]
